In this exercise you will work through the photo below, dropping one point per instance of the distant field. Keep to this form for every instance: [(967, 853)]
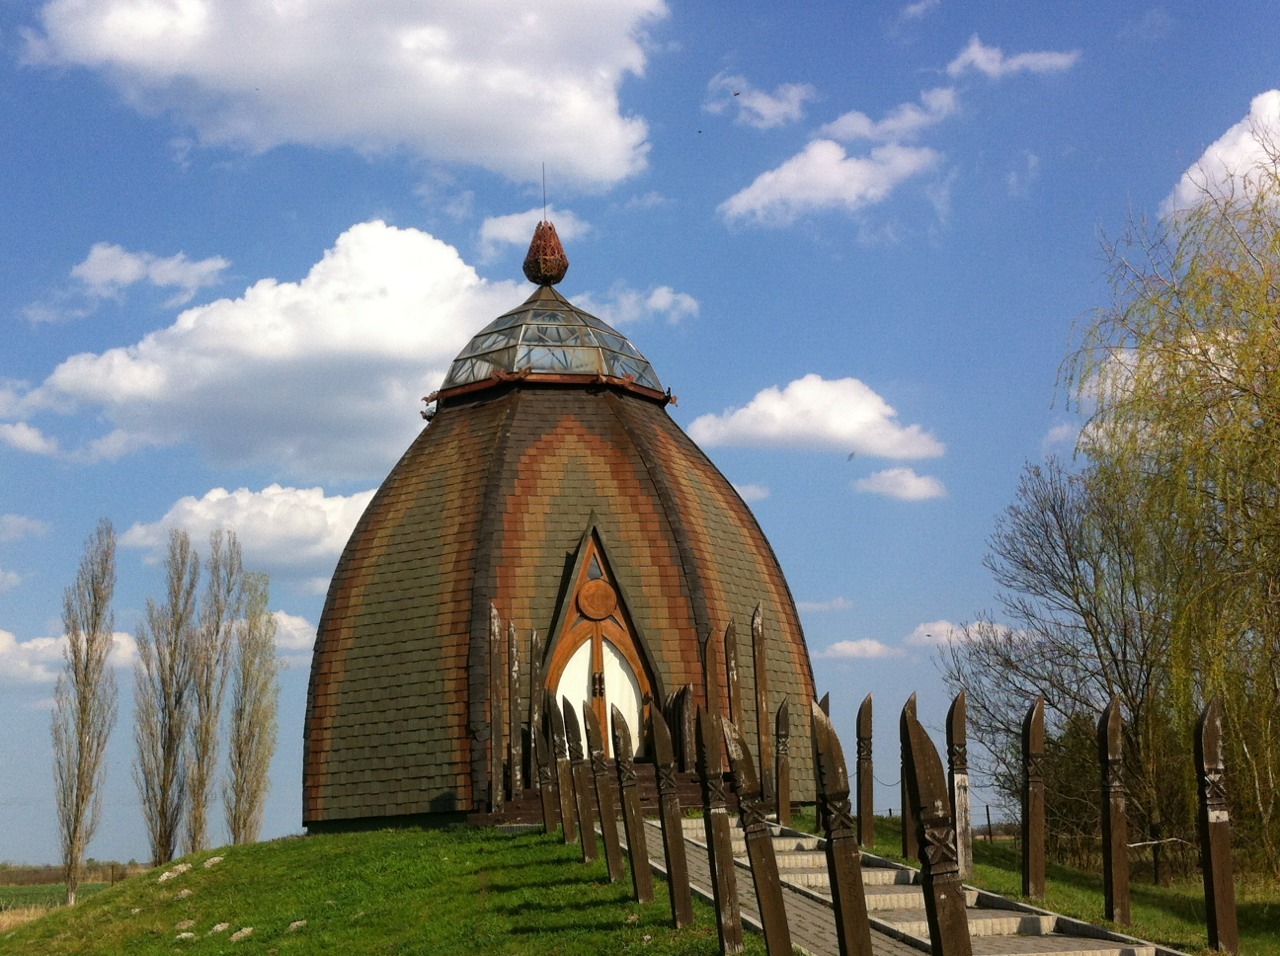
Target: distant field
[(47, 894)]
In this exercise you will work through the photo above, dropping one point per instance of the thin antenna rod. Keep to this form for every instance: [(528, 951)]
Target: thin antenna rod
[(544, 192)]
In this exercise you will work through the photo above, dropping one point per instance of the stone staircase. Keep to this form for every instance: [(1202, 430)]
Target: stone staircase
[(895, 904)]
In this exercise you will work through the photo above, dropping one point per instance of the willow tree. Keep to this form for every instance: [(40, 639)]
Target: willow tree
[(84, 701), (1181, 374)]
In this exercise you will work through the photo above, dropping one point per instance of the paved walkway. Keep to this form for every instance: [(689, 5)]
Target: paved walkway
[(999, 927)]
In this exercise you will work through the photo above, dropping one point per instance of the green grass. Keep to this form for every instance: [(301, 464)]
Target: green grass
[(456, 890), (43, 894), (1171, 915)]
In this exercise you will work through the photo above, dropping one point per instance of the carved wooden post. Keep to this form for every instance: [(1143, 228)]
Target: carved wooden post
[(632, 819), (515, 736), (782, 787), (824, 705), (711, 675), (724, 881), (1115, 824), (944, 900), (958, 783), (910, 846), (753, 813), (563, 772), (764, 733), (844, 861), (581, 785), (672, 828), (603, 784), (732, 684), (544, 763), (1215, 831), (866, 779), (687, 730), (536, 688), (1033, 801), (496, 783)]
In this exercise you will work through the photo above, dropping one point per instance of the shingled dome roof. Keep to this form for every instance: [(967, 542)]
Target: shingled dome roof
[(549, 336), (551, 493)]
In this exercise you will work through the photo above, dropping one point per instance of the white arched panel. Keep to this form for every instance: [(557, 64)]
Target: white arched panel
[(575, 681), (622, 690)]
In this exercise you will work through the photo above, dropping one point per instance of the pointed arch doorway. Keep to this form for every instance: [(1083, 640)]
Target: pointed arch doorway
[(596, 655)]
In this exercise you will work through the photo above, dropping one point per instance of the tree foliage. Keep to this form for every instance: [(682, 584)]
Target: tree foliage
[(1181, 374), (254, 693), (220, 611), (84, 709), (162, 699)]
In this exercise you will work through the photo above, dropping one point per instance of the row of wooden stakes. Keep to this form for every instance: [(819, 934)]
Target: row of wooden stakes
[(577, 789)]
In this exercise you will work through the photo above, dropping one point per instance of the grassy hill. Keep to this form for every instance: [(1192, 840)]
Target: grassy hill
[(457, 890), (475, 891)]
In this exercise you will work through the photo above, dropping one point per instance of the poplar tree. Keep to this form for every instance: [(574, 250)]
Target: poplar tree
[(253, 721), (162, 699), (84, 708), (210, 662)]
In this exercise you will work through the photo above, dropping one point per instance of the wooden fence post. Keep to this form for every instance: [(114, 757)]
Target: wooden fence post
[(632, 820), (1115, 822), (944, 899), (1033, 801), (764, 733), (910, 846), (866, 779), (724, 881), (542, 767), (581, 785), (671, 819), (496, 783), (732, 682), (753, 814), (563, 772), (515, 735), (606, 806), (1215, 831), (782, 787), (958, 783), (844, 861)]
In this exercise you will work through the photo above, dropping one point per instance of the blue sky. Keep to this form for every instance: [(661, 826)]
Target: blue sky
[(241, 240)]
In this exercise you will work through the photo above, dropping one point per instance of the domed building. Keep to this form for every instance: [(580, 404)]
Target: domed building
[(551, 487)]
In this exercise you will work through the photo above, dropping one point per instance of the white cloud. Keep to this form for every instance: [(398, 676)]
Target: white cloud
[(1064, 433), (901, 483), (322, 376), (278, 527), (9, 580), (823, 176), (27, 438), (811, 412), (622, 305), (39, 660), (931, 634), (15, 527), (1234, 155), (818, 607), (857, 650), (756, 107), (905, 121), (991, 62), (109, 268), (293, 633), (517, 228), (462, 82), (1021, 178), (917, 10), (751, 493)]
